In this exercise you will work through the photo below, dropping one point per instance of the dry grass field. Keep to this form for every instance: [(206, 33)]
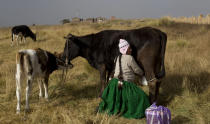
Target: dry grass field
[(185, 90)]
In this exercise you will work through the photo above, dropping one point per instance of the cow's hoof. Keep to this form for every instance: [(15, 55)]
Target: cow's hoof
[(40, 97), (96, 110), (18, 112), (100, 94), (27, 110), (69, 66), (47, 100)]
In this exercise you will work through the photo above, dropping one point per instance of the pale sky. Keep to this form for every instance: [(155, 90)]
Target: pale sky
[(28, 12)]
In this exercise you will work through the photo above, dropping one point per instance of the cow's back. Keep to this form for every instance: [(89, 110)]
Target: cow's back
[(25, 30), (106, 42), (31, 57)]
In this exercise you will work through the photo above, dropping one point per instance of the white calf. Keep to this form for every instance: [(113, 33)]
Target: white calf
[(35, 63)]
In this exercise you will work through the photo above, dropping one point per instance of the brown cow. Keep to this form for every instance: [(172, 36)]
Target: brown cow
[(100, 49)]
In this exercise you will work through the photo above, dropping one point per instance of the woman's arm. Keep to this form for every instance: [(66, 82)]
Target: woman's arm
[(135, 67)]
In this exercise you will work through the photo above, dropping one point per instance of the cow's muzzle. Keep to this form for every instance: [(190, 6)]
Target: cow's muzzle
[(64, 65)]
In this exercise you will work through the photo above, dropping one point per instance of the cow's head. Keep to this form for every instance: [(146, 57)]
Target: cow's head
[(71, 49), (34, 37)]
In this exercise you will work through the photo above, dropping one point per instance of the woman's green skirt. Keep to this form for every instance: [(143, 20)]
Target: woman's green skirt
[(129, 102)]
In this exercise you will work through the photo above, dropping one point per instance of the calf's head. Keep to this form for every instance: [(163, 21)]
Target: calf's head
[(61, 63)]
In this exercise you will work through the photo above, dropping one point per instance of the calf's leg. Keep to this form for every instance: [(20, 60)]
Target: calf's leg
[(28, 90), (18, 88), (46, 79), (40, 88)]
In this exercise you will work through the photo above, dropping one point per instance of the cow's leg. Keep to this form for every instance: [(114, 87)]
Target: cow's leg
[(153, 86), (46, 86), (24, 40), (40, 88), (17, 37), (18, 87), (28, 90), (21, 39), (12, 41), (20, 35), (157, 90), (158, 81), (152, 83), (147, 57), (102, 70), (152, 91)]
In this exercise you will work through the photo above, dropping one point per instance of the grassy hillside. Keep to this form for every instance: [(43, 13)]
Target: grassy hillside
[(185, 90)]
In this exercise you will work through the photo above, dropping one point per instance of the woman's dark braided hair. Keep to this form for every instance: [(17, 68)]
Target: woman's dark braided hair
[(120, 76)]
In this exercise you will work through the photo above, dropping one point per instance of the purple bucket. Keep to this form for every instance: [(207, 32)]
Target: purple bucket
[(158, 115)]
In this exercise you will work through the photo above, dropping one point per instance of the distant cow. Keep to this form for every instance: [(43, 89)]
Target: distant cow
[(35, 63), (100, 49), (22, 31)]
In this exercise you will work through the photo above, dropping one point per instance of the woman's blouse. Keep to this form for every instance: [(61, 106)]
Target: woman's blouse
[(129, 68)]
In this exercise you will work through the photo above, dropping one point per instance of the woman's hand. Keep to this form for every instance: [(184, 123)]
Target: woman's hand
[(120, 84)]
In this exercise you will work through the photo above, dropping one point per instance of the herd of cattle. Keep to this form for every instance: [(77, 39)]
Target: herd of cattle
[(100, 49)]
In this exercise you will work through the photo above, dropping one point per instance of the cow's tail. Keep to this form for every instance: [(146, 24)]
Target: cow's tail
[(19, 71), (163, 38), (19, 63)]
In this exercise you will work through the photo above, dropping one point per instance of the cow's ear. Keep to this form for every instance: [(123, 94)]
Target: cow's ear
[(68, 36), (55, 53), (58, 55)]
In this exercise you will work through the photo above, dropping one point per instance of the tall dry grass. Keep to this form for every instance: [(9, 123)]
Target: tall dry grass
[(201, 19), (185, 89)]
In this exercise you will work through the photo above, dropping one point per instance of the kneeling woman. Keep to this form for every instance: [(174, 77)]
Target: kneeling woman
[(122, 97)]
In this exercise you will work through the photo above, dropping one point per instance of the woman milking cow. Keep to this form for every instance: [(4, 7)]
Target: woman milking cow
[(122, 96), (100, 50)]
